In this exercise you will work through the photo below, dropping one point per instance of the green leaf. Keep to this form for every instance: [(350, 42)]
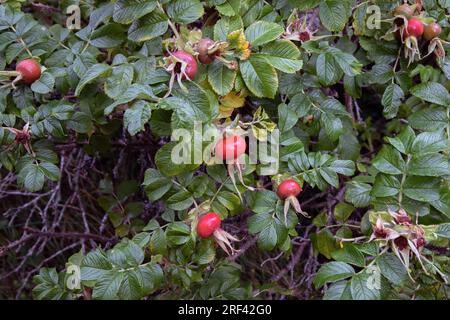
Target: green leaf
[(262, 32), (119, 81), (332, 272), (151, 26), (343, 211), (422, 188), (433, 165), (334, 14), (34, 178), (205, 252), (135, 118), (283, 55), (229, 8), (264, 201), (259, 76), (429, 119), (360, 288), (327, 69), (93, 73), (349, 254), (432, 92), (443, 230), (230, 201), (127, 11), (325, 242), (178, 233), (267, 239), (94, 265), (108, 36), (185, 11), (338, 291), (286, 117), (344, 167), (332, 125), (430, 142), (358, 193), (389, 161), (381, 73), (347, 62), (50, 170), (158, 242), (155, 184), (391, 100), (403, 142), (259, 222), (44, 84), (225, 26), (193, 105), (443, 204), (305, 4), (300, 104), (48, 286), (135, 91), (163, 160), (140, 282), (324, 168), (330, 176), (221, 78), (180, 201), (107, 286), (392, 268), (385, 186)]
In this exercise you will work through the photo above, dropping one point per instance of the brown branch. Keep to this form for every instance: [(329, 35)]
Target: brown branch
[(349, 105), (295, 258), (247, 245), (76, 235)]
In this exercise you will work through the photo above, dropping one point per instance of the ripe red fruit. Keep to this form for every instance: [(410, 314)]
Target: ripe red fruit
[(202, 49), (30, 70), (191, 64), (404, 10), (432, 31), (288, 188), (415, 28), (207, 224), (230, 147)]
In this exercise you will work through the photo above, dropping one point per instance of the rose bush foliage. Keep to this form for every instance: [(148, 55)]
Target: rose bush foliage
[(364, 120)]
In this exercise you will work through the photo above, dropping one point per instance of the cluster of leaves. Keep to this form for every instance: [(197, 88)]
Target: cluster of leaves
[(356, 122)]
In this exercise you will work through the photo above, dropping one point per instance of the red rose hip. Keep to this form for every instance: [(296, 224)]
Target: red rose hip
[(230, 147), (404, 10), (202, 49), (207, 224), (289, 188), (415, 28), (30, 70), (191, 64), (432, 31)]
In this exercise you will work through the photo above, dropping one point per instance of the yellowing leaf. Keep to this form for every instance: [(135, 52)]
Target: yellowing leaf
[(239, 43), (231, 101)]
